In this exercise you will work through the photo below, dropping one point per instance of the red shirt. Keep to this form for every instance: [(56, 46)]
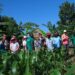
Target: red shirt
[(65, 39)]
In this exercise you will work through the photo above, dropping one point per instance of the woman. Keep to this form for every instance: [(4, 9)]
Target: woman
[(37, 44), (14, 45)]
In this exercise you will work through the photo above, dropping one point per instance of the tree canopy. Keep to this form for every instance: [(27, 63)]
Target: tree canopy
[(9, 26), (67, 16), (50, 27), (30, 26)]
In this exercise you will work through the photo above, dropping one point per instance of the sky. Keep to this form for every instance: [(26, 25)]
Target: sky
[(36, 11)]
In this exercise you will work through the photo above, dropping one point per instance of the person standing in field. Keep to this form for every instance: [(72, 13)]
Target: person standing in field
[(56, 41), (13, 36), (5, 42), (65, 40), (2, 46), (24, 42), (73, 39), (37, 44), (49, 42), (42, 41), (30, 43), (14, 45), (40, 37)]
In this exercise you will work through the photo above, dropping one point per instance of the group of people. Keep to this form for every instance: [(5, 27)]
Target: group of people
[(29, 43)]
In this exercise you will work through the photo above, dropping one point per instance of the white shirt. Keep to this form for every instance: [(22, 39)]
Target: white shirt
[(0, 42), (49, 44), (24, 42), (14, 46)]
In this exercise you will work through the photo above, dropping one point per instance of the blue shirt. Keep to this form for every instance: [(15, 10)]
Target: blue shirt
[(56, 42)]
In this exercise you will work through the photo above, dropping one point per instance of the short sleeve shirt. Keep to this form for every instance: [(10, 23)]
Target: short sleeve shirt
[(49, 43)]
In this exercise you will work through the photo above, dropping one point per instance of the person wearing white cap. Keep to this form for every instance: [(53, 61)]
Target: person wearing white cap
[(24, 42), (65, 39)]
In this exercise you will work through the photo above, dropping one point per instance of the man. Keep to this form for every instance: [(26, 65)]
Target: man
[(2, 47), (5, 42), (73, 39), (49, 42), (30, 42), (56, 40), (65, 39)]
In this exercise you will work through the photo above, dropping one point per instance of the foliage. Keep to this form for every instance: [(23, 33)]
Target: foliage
[(50, 27), (43, 32), (71, 70), (66, 15), (29, 27), (9, 26), (33, 63)]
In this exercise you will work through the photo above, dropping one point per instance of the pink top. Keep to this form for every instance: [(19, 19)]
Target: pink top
[(65, 39)]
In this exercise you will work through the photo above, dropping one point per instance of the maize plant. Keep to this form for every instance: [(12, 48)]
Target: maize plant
[(33, 63)]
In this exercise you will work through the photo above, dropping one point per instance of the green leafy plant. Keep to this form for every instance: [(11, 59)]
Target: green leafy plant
[(33, 63)]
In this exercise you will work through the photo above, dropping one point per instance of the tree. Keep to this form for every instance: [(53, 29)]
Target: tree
[(50, 27), (67, 16), (21, 30), (30, 27), (9, 26)]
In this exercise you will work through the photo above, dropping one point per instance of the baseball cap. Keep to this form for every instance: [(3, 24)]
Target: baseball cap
[(65, 31)]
